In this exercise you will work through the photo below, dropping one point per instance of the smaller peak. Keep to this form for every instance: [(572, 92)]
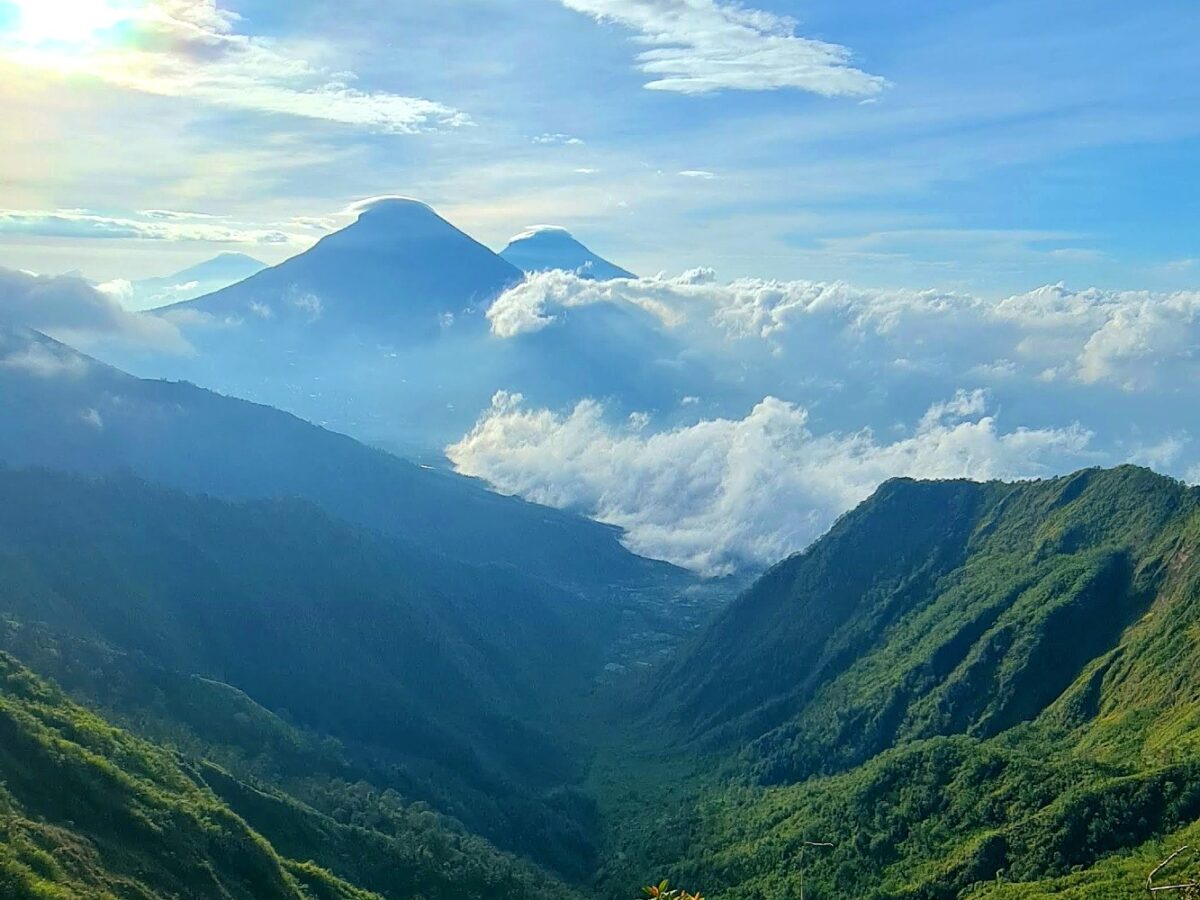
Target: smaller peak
[(542, 231)]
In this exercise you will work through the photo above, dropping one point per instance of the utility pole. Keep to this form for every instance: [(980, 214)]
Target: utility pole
[(804, 845)]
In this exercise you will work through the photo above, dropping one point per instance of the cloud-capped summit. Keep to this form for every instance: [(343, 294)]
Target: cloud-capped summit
[(400, 270), (545, 247)]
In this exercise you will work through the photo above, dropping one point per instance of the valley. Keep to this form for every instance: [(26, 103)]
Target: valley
[(246, 655), (599, 450)]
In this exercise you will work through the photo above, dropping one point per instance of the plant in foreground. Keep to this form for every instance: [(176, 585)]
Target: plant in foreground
[(663, 891)]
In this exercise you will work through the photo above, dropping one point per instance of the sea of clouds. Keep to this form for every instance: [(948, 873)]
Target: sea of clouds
[(826, 391)]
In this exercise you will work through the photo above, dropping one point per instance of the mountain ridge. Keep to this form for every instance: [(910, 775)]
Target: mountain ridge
[(998, 696)]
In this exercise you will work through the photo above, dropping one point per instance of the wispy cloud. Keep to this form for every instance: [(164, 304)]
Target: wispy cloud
[(699, 46), (152, 225), (558, 139), (41, 360), (194, 49)]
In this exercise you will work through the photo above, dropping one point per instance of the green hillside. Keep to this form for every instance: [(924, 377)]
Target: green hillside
[(963, 690), (962, 687), (435, 680), (87, 810)]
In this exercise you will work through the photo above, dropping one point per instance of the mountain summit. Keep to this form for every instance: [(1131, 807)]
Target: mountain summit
[(546, 247), (400, 269)]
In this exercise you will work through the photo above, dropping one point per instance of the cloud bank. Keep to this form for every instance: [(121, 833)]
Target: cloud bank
[(1130, 340), (700, 46), (73, 311), (845, 387), (724, 493)]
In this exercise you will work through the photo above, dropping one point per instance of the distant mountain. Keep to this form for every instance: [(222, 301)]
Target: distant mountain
[(195, 281), (380, 330), (964, 689), (399, 273), (550, 247)]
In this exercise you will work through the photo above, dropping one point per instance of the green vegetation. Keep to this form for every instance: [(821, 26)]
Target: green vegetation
[(968, 690), (964, 690), (89, 811), (394, 709)]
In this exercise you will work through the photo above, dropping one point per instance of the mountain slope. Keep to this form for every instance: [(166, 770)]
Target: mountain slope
[(433, 677), (400, 270), (960, 684), (549, 247), (89, 811), (70, 412)]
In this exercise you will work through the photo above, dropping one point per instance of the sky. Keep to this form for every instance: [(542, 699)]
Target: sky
[(872, 239), (989, 147)]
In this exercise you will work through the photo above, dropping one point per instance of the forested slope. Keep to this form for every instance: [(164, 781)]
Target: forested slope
[(961, 685), (435, 680)]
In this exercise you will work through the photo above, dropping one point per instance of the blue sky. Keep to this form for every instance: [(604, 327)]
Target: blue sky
[(990, 147)]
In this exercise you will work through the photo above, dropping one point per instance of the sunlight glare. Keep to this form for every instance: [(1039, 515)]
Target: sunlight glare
[(66, 21)]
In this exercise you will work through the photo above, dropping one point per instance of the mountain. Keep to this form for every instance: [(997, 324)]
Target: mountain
[(550, 247), (982, 690), (400, 271), (368, 332), (69, 412), (195, 281), (434, 676), (87, 810)]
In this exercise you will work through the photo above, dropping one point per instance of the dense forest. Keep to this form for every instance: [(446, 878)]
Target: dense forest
[(315, 689), (964, 689)]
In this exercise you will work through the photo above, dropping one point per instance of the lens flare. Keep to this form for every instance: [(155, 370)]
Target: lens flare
[(66, 22)]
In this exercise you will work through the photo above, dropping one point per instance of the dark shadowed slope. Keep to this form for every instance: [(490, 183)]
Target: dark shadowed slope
[(66, 411), (442, 680), (89, 811)]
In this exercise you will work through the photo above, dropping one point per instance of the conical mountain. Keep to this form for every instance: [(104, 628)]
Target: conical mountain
[(400, 270), (546, 247)]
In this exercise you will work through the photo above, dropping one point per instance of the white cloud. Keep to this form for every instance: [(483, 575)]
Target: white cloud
[(861, 384), (565, 140), (725, 492), (530, 306), (68, 308), (82, 223), (43, 360), (1131, 340), (698, 46), (309, 304), (698, 173), (194, 49)]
